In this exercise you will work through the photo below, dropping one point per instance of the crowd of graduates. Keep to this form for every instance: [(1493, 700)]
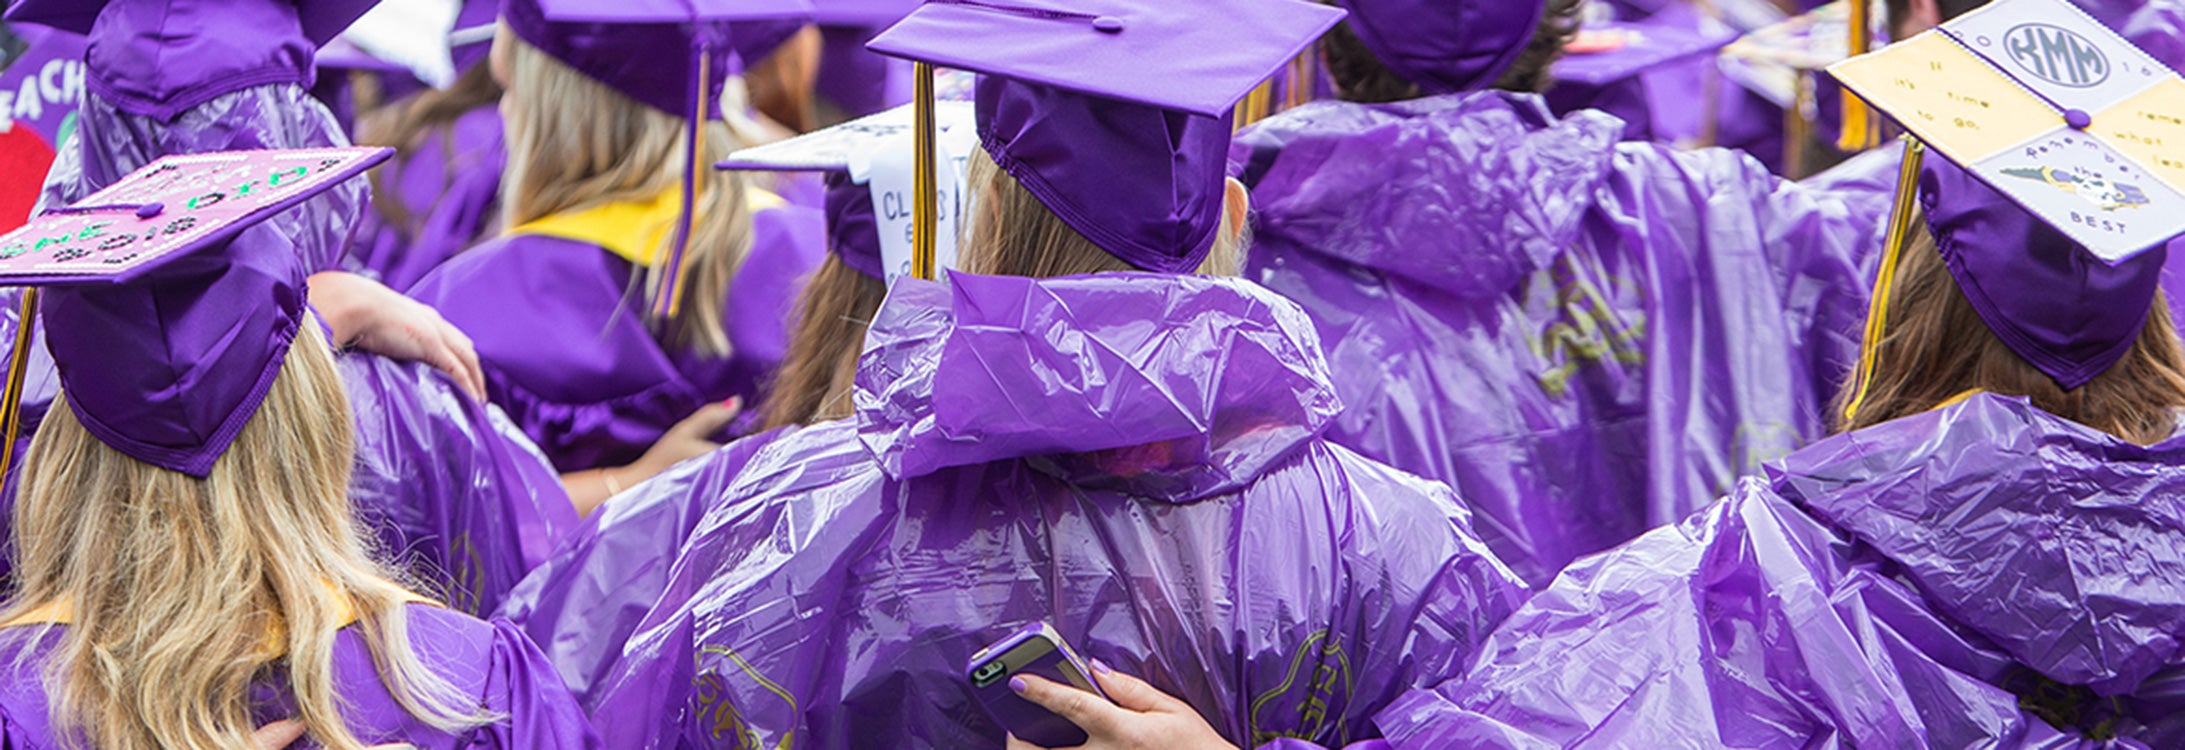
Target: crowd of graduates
[(1308, 373)]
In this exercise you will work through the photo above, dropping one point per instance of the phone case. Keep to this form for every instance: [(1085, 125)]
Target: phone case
[(1034, 649)]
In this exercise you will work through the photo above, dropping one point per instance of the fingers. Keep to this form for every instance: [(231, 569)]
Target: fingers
[(1130, 692), (466, 355), (1089, 712), (709, 419), (277, 735), (1017, 744)]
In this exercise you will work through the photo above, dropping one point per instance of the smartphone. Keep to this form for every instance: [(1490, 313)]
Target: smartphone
[(1034, 649)]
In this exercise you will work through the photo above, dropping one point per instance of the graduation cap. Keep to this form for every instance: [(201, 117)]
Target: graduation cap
[(1445, 46), (868, 202), (2059, 190), (406, 36), (1114, 113), (168, 308), (672, 55), (861, 14), (161, 57)]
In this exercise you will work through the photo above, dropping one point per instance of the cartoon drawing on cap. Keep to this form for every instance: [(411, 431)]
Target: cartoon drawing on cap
[(2103, 193)]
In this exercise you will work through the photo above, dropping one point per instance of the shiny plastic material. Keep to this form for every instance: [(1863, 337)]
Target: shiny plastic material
[(108, 144), (1177, 517), (1901, 586), (1587, 339)]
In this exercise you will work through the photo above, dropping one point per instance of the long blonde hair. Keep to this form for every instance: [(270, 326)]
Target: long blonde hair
[(179, 593), (1935, 347), (574, 143)]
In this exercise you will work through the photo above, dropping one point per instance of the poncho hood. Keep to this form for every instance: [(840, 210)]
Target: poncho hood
[(1176, 387), (1492, 172)]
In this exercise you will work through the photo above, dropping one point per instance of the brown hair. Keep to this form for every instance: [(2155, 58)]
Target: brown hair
[(781, 85), (405, 128), (179, 593), (1360, 76), (818, 371), (1934, 347)]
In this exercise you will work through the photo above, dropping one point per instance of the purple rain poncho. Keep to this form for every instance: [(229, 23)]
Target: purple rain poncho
[(583, 603), (448, 189), (1131, 457), (1891, 587), (605, 389), (1587, 339), (493, 661)]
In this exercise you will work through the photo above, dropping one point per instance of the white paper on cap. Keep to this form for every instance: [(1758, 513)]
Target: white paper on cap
[(412, 34), (886, 166)]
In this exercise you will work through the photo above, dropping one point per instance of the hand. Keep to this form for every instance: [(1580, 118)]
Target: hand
[(281, 734), (369, 316), (1141, 718), (688, 439)]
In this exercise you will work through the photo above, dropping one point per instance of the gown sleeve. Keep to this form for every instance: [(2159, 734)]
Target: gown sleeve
[(538, 713)]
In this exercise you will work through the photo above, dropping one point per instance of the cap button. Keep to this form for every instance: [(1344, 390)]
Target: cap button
[(150, 210), (2078, 119), (1108, 24)]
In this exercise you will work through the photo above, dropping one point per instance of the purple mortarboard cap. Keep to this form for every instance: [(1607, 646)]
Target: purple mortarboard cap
[(862, 14), (168, 308), (650, 49), (160, 57), (853, 230), (1643, 47), (2048, 298), (472, 38), (1445, 46), (1115, 113)]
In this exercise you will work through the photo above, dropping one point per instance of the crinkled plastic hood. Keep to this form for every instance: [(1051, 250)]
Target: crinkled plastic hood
[(1488, 170), (2063, 545), (1174, 387)]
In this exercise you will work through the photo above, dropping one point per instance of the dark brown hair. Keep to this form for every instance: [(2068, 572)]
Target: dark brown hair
[(781, 85), (816, 375), (1934, 348), (1360, 76), (406, 127)]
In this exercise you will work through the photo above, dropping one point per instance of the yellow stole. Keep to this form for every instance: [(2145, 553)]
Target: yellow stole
[(636, 231)]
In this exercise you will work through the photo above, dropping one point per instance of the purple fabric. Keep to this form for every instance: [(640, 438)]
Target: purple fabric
[(824, 596), (853, 232), (1652, 323), (46, 82), (160, 58), (1445, 46), (458, 497), (2052, 302), (1153, 194), (1948, 560), (606, 390), (650, 57), (109, 143), (491, 661), (853, 78), (581, 605), (450, 185)]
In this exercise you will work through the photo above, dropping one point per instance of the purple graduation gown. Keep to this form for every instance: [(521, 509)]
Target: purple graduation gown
[(567, 353), (1899, 586), (450, 185), (1132, 457), (491, 661), (1587, 339)]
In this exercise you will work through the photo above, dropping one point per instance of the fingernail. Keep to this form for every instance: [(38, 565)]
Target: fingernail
[(1101, 667), (1016, 684)]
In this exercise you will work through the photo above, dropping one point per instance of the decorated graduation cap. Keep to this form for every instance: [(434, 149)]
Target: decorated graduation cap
[(160, 57), (870, 182), (1114, 113), (672, 55), (1445, 46), (2058, 191), (167, 308)]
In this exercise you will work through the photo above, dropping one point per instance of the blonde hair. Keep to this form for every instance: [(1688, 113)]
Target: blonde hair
[(180, 593), (574, 143), (1934, 347), (1014, 234)]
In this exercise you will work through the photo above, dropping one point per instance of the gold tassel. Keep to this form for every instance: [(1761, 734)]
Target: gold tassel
[(1858, 125), (1877, 312), (925, 206), (11, 410)]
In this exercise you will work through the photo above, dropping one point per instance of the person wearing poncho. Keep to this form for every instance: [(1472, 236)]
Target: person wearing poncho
[(458, 497), (1073, 429), (1585, 338)]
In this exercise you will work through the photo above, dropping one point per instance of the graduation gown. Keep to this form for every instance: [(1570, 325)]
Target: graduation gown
[(1134, 458), (1586, 338), (564, 342), (449, 186)]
